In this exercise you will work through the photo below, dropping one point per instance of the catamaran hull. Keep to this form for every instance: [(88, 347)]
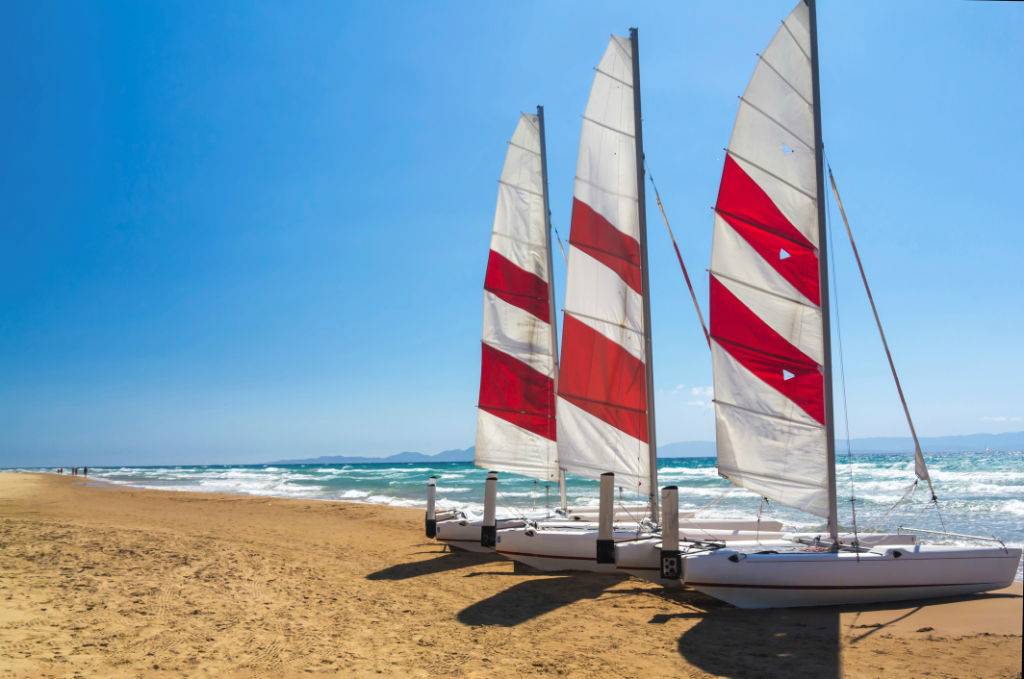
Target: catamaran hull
[(794, 579), (558, 549), (464, 534), (641, 557), (561, 547)]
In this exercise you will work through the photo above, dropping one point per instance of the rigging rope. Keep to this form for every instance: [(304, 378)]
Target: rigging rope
[(561, 247), (920, 468), (715, 500), (907, 493), (842, 369), (679, 255)]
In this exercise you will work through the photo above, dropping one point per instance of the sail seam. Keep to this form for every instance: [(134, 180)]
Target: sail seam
[(795, 41), (763, 227), (523, 148), (513, 293), (790, 132), (602, 320), (720, 402), (766, 291), (784, 79), (507, 351), (519, 411), (576, 397), (770, 174), (576, 466), (754, 476), (761, 352), (608, 191), (517, 240), (618, 80), (586, 247), (628, 55), (521, 188), (610, 128)]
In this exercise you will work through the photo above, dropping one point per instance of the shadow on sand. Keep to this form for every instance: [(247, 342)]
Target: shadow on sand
[(533, 598), (445, 561), (731, 642)]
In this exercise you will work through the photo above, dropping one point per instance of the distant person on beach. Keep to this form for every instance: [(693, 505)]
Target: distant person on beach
[(85, 471)]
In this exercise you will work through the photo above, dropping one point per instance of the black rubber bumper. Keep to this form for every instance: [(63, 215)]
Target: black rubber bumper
[(488, 536)]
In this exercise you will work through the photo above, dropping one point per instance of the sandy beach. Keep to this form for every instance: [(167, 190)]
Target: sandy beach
[(97, 580)]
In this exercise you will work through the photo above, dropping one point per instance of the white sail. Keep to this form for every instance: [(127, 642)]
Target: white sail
[(766, 318), (602, 390), (515, 422)]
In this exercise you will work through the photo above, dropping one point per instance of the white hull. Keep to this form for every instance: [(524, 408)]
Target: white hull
[(561, 546), (464, 534), (809, 578), (641, 558)]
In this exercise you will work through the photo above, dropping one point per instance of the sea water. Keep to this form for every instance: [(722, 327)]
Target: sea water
[(979, 493)]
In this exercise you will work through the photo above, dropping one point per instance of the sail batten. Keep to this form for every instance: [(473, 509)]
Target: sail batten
[(516, 409), (767, 326), (603, 399)]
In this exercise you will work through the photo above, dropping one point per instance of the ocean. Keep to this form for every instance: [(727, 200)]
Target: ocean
[(979, 493)]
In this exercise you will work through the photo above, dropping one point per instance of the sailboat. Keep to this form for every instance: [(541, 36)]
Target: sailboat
[(771, 359), (605, 395), (519, 357)]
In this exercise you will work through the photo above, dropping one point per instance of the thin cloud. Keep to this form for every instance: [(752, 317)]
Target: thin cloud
[(701, 397), (1002, 418)]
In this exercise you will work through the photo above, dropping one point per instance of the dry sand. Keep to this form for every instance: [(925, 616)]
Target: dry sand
[(104, 581)]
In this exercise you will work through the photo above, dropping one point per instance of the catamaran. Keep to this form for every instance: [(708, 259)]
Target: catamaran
[(519, 352), (605, 396), (519, 365), (771, 359)]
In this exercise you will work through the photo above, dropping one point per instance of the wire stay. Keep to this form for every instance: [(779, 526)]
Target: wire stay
[(679, 257), (919, 465)]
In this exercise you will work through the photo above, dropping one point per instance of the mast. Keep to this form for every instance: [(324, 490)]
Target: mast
[(551, 280), (652, 445), (830, 433)]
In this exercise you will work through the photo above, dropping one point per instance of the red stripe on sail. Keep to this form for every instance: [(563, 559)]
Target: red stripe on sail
[(603, 379), (596, 236), (517, 393), (517, 286), (751, 212), (765, 352)]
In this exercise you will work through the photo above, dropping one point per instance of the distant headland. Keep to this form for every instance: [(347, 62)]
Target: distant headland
[(1009, 441)]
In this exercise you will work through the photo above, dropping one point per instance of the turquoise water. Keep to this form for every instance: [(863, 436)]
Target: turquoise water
[(980, 493)]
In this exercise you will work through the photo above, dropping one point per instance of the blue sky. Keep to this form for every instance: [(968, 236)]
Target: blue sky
[(237, 232)]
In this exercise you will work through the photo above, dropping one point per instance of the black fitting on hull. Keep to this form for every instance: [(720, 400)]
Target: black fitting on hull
[(671, 564), (606, 551), (489, 536)]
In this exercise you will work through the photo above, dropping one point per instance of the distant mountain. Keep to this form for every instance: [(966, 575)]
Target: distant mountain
[(455, 455), (876, 444), (1013, 440), (687, 449), (880, 444)]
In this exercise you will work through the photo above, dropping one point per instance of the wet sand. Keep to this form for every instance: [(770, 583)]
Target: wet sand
[(97, 580)]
